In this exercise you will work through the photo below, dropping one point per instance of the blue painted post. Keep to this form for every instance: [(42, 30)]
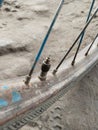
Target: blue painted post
[(1, 1)]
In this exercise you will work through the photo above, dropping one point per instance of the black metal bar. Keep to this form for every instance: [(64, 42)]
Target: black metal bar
[(91, 45), (75, 41)]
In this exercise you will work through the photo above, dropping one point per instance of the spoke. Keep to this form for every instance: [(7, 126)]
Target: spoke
[(91, 45), (82, 36), (44, 42), (85, 27)]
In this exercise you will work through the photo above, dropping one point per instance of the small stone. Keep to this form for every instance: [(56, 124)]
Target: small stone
[(13, 10), (7, 9), (17, 6), (58, 127), (82, 11)]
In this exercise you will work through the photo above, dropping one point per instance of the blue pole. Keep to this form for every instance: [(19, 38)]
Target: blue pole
[(44, 42), (1, 1)]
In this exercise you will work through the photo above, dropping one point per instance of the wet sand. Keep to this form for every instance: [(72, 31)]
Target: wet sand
[(23, 25)]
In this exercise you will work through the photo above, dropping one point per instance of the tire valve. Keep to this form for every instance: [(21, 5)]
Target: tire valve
[(44, 69)]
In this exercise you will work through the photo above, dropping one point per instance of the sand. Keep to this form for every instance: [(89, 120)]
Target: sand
[(23, 25)]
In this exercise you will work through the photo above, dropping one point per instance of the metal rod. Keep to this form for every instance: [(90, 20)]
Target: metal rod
[(82, 36), (91, 45), (75, 41), (44, 42)]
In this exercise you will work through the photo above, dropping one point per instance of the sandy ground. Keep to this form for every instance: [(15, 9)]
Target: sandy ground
[(23, 25)]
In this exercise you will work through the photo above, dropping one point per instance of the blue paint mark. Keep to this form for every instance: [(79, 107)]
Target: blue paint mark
[(3, 103), (5, 87), (16, 96)]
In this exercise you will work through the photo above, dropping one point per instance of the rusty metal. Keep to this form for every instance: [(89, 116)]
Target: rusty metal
[(20, 104)]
